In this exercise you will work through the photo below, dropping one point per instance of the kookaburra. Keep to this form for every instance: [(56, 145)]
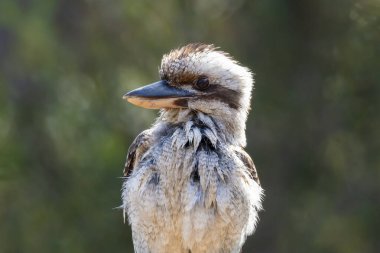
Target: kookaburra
[(189, 185)]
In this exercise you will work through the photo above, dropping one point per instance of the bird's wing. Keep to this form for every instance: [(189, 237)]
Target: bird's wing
[(247, 160), (135, 152)]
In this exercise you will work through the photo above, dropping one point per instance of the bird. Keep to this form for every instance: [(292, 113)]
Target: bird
[(189, 186)]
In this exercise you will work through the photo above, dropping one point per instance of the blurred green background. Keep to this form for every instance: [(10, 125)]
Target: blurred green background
[(314, 131)]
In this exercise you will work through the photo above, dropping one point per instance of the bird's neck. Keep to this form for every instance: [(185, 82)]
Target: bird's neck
[(229, 129)]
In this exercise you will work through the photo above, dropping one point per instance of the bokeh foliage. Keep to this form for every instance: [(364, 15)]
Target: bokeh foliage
[(64, 129)]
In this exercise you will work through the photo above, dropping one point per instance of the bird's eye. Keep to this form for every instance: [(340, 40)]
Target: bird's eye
[(202, 83)]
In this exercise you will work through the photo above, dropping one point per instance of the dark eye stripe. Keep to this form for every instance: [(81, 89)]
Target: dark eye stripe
[(228, 96)]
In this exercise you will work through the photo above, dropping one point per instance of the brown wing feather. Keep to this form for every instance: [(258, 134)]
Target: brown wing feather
[(136, 150), (247, 160)]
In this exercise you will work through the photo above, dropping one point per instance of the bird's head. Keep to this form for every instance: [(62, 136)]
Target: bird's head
[(203, 79)]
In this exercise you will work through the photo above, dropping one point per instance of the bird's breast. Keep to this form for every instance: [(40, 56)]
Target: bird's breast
[(190, 186)]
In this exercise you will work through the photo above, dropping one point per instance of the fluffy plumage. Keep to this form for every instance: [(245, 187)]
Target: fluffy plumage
[(190, 186)]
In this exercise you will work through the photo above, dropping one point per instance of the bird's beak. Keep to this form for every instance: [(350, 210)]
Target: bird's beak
[(158, 95)]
